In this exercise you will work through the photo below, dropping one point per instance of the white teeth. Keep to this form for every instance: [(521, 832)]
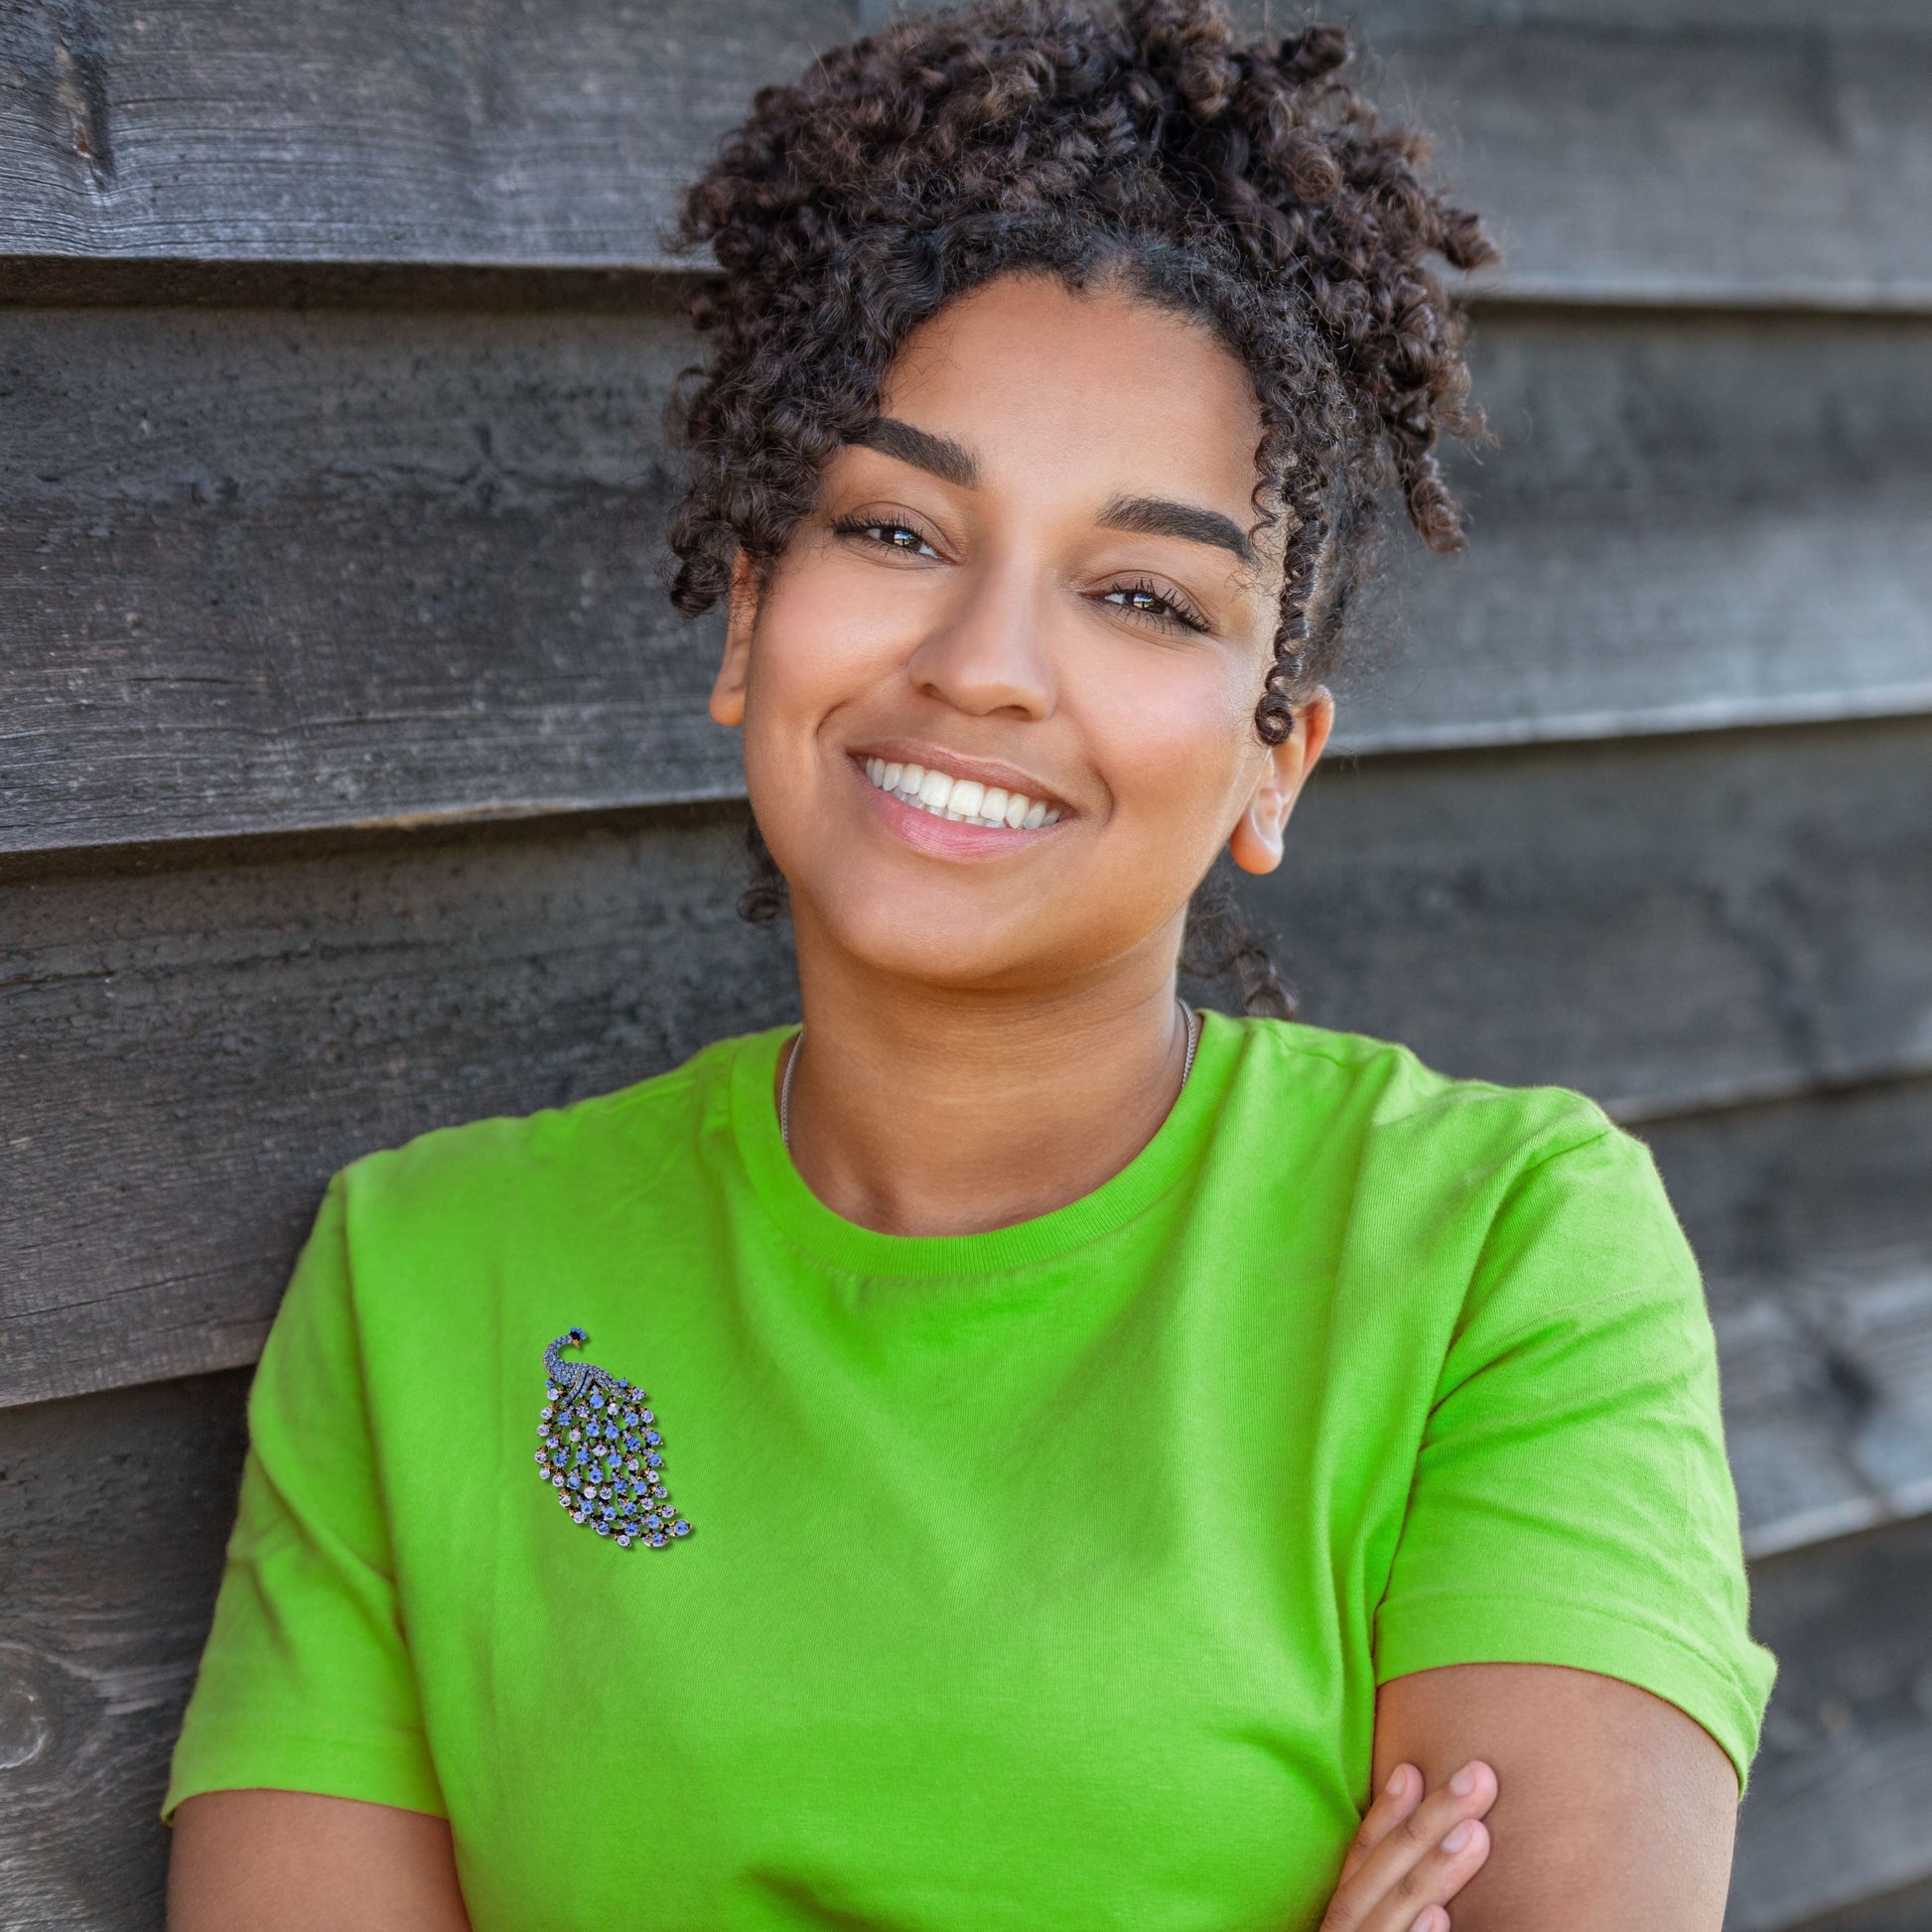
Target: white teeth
[(965, 801)]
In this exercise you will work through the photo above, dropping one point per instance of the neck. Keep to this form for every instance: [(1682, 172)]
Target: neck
[(926, 1110)]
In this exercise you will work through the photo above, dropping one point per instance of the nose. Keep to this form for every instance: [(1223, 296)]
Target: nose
[(988, 650)]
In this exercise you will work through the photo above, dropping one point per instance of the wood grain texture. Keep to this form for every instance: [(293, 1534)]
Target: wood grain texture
[(270, 570), (113, 1515), (1667, 923), (114, 1511), (191, 1048), (233, 1032), (1842, 1786), (1630, 151), (1813, 1222)]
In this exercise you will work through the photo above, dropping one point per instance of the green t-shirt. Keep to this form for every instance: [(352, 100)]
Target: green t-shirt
[(1042, 1577)]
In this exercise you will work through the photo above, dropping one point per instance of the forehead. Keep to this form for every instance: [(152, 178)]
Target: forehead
[(1093, 391)]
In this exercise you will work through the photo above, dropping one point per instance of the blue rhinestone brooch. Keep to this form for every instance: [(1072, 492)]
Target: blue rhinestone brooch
[(600, 1448)]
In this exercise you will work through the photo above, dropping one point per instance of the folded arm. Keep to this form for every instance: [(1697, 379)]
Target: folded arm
[(1614, 1809), (294, 1862)]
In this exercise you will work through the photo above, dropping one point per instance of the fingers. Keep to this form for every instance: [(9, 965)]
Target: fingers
[(1396, 1800), (1414, 1854)]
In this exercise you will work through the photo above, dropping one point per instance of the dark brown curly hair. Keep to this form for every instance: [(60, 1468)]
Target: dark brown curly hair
[(1247, 187)]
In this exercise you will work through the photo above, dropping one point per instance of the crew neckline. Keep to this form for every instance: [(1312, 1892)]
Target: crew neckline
[(1172, 1149)]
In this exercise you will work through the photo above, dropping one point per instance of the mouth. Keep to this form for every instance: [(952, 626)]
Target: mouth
[(963, 801), (947, 814)]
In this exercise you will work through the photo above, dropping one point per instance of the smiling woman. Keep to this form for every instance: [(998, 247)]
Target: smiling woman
[(1132, 1467)]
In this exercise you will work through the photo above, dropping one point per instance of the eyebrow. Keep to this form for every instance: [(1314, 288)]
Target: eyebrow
[(1157, 517), (938, 456), (1154, 517)]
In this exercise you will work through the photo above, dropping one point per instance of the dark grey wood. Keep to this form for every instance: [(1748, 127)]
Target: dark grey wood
[(1668, 923), (114, 1514), (1635, 151), (1699, 520), (1909, 1911), (268, 570), (263, 570), (1842, 1786), (1813, 1222), (191, 1046), (189, 1053)]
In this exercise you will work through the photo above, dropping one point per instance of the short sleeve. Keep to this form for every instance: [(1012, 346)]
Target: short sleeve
[(306, 1683), (1571, 1503)]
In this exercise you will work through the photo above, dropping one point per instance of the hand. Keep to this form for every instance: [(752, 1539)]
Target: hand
[(1414, 1854)]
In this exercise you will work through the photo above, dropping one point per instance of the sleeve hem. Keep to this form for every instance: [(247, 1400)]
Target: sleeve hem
[(1443, 1628), (327, 1767)]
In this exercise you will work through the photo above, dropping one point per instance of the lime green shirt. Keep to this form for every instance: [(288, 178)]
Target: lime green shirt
[(1042, 1577)]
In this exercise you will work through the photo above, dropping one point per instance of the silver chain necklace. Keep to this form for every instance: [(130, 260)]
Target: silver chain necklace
[(1188, 1016)]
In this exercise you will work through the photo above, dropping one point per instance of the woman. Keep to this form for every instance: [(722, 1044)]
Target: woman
[(1018, 1452)]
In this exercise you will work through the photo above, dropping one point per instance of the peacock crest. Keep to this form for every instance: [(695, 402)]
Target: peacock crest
[(600, 1448)]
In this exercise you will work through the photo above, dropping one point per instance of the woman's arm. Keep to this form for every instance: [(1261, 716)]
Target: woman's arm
[(1614, 1810), (294, 1862)]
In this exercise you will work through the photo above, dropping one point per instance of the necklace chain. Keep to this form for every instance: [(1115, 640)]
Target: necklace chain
[(1189, 1018)]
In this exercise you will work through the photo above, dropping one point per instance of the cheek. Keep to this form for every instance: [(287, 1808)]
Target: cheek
[(825, 636), (1176, 745)]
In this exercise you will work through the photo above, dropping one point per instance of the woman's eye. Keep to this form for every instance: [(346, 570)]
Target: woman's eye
[(891, 537), (1144, 600)]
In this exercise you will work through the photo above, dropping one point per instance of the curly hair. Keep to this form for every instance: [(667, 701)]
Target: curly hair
[(1247, 187)]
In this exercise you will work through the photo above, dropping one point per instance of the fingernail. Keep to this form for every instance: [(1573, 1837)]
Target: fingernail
[(1460, 1837), (1398, 1781), (1465, 1781)]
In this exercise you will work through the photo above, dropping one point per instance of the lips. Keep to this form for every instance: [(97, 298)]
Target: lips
[(960, 799)]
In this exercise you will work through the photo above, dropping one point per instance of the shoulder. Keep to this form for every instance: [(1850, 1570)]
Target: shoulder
[(507, 1173), (1387, 1094)]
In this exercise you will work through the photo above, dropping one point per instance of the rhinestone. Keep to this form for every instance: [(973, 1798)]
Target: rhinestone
[(659, 1539), (680, 1527), (577, 1516), (656, 1460), (623, 1542), (645, 1416)]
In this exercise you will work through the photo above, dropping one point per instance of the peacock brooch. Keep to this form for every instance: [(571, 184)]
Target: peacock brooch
[(600, 1448)]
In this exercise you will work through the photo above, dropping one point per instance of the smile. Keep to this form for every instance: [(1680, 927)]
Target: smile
[(963, 800)]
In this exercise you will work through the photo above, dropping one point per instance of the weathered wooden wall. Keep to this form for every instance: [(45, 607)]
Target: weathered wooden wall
[(353, 773)]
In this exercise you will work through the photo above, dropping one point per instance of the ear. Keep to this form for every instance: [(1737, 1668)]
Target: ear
[(1255, 844), (735, 669)]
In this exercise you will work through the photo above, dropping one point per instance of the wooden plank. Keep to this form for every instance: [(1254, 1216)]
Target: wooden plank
[(191, 1046), (228, 1034), (484, 131), (1710, 521), (1842, 1786), (114, 1514), (1667, 923), (115, 1508), (271, 570), (1813, 1222), (1679, 153), (262, 571)]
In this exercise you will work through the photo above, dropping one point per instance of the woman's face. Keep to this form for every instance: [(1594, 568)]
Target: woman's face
[(1033, 583)]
